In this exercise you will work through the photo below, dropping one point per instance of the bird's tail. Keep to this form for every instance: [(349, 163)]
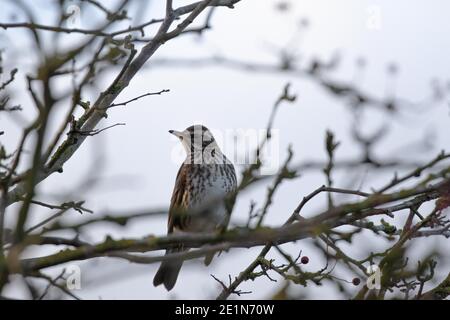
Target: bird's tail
[(167, 273)]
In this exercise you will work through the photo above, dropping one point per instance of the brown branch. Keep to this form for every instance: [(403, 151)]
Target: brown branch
[(321, 218), (440, 292), (94, 132), (96, 32), (414, 173)]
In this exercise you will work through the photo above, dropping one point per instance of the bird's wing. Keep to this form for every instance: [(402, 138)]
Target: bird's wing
[(177, 203)]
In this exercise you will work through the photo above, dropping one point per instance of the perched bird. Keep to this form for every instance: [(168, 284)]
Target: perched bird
[(198, 201)]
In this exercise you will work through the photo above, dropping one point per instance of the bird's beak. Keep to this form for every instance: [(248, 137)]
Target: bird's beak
[(176, 133)]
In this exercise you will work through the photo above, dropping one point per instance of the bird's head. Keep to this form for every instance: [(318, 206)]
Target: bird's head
[(198, 141)]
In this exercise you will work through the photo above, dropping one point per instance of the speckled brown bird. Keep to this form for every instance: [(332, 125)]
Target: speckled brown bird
[(198, 203)]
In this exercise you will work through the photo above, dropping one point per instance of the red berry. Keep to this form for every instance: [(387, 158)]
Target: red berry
[(304, 260), (356, 281)]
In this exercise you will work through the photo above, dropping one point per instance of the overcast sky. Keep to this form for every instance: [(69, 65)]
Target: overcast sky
[(137, 163)]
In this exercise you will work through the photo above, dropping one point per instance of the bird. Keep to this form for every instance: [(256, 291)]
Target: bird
[(199, 198)]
